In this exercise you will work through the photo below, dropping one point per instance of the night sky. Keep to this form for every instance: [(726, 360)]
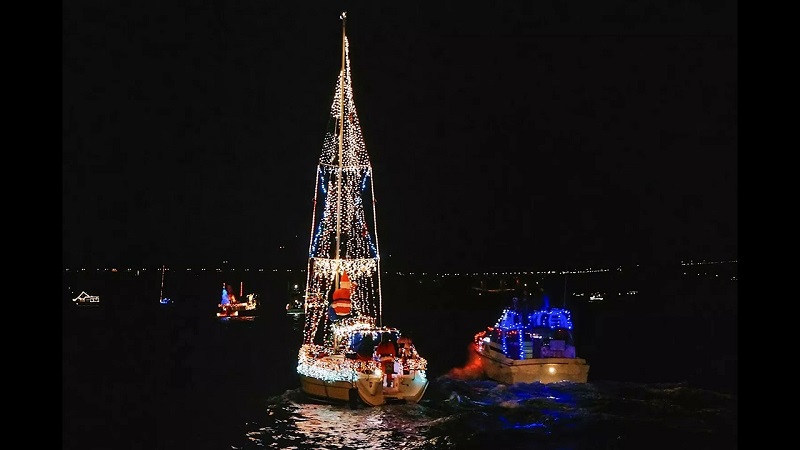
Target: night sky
[(510, 135)]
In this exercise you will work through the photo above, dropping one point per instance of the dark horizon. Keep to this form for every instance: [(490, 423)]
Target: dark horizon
[(559, 136), (227, 266)]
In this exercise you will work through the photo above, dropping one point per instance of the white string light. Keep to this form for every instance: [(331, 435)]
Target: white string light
[(343, 239)]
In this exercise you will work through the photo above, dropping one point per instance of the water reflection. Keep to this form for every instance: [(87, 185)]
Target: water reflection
[(298, 422), (483, 414)]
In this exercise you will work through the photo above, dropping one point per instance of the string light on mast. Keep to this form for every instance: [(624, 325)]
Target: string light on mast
[(343, 232)]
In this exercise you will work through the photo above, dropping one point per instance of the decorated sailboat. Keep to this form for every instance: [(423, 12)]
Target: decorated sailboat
[(164, 300), (347, 353), (233, 305)]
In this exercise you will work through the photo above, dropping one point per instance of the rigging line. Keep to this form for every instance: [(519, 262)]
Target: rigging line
[(341, 146)]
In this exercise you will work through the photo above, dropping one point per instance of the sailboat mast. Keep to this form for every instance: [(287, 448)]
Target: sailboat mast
[(163, 267), (341, 145)]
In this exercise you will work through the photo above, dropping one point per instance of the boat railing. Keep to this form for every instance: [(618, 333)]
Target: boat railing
[(529, 345)]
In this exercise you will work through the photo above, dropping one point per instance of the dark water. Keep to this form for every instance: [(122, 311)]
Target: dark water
[(139, 375)]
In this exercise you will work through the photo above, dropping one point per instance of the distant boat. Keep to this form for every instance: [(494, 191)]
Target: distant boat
[(296, 305), (84, 299), (231, 305), (340, 358), (595, 297), (530, 345), (163, 300), (497, 285)]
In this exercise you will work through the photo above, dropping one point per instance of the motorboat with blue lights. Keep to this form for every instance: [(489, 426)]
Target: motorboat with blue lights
[(531, 345), (347, 353)]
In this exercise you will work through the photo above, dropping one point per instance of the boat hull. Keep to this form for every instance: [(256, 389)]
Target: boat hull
[(541, 370), (295, 312), (368, 389), (339, 391), (408, 387)]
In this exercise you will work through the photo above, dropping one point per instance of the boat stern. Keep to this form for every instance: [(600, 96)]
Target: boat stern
[(408, 387)]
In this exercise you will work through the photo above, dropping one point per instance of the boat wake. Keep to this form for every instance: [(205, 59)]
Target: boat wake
[(294, 420), (472, 370), (457, 413)]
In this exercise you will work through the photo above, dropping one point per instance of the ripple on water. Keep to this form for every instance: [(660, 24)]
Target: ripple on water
[(484, 414)]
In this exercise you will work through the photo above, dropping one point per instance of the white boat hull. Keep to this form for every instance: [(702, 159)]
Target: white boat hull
[(541, 370), (342, 391), (295, 312), (369, 389)]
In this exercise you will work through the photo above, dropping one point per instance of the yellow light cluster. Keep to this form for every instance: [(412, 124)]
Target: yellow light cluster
[(418, 363), (312, 363), (355, 268), (346, 327), (352, 138), (312, 320)]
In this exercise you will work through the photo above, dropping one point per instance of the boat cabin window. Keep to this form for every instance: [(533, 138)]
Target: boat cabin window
[(357, 337)]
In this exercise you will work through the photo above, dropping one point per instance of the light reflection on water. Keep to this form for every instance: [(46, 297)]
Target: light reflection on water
[(484, 414), (301, 423)]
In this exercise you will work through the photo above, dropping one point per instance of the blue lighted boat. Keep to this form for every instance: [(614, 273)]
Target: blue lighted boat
[(232, 305), (529, 345)]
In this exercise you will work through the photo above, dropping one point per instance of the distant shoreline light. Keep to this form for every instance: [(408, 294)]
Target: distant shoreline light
[(401, 273)]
